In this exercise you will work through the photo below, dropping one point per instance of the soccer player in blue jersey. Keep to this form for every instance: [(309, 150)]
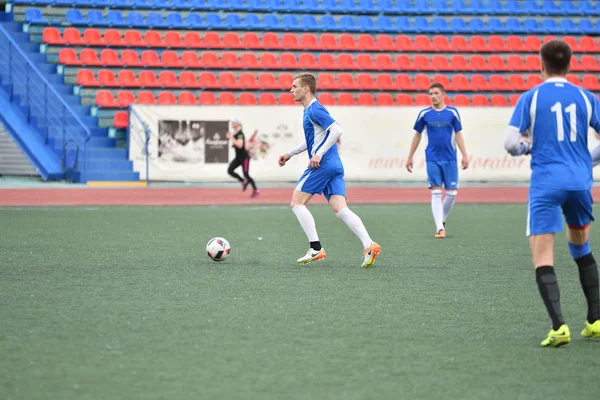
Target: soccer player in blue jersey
[(556, 117), (324, 175), (444, 133)]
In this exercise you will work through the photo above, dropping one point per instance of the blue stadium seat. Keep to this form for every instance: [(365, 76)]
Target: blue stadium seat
[(494, 7), (194, 20), (440, 25), (385, 6), (515, 7), (550, 27), (327, 23), (119, 3), (309, 6), (290, 23), (271, 22), (421, 25), (160, 4), (135, 18), (385, 24), (585, 7), (459, 25), (154, 19), (180, 4), (349, 6), (403, 25), (494, 25), (233, 22), (404, 7), (568, 27), (460, 7), (477, 7), (368, 6), (440, 7), (175, 20), (256, 5), (252, 21), (549, 8), (230, 5), (346, 24), (567, 7), (34, 16), (213, 21), (532, 7), (114, 18), (421, 6), (278, 5), (139, 4), (331, 6), (74, 17), (95, 18), (477, 25), (531, 25), (365, 24), (586, 26)]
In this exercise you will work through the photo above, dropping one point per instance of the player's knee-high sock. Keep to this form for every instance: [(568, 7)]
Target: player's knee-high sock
[(437, 208), (307, 222), (356, 225), (449, 202), (548, 286), (588, 276)]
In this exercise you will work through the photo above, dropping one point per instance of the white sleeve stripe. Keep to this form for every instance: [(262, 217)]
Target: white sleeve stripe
[(588, 106), (532, 111), (455, 114)]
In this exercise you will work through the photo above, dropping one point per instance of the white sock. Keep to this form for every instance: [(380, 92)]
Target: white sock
[(356, 225), (307, 222), (437, 208), (449, 202)]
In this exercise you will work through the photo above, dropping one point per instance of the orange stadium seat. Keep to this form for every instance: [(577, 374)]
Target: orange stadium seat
[(209, 99), (187, 99), (167, 98), (385, 99), (121, 120), (227, 99)]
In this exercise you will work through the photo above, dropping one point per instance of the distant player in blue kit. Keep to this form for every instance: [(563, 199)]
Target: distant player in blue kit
[(556, 117), (324, 175), (444, 133)]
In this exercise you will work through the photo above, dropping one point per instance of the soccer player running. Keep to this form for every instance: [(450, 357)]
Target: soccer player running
[(324, 175), (444, 133), (242, 158), (556, 116)]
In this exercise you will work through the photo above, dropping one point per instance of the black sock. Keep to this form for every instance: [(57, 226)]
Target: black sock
[(548, 286), (315, 245), (588, 276)]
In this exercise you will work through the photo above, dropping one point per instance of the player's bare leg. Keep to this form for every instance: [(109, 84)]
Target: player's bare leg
[(448, 204), (542, 252), (307, 222), (579, 246), (437, 209), (370, 249)]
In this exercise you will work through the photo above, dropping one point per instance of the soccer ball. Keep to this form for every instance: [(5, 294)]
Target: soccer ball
[(218, 248)]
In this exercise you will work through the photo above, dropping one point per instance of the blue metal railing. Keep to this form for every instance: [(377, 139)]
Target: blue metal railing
[(45, 107)]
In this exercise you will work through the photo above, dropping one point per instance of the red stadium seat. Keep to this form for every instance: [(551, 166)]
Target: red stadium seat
[(85, 77), (365, 99), (590, 82), (442, 79), (173, 39), (404, 99), (386, 43), (189, 59), (187, 99), (479, 100), (422, 100), (125, 98), (248, 81), (121, 120), (133, 38), (267, 81), (516, 82), (87, 57), (498, 83), (210, 60), (267, 99), (326, 99), (129, 58), (385, 82), (153, 39), (148, 79), (496, 43), (92, 37), (52, 35), (329, 42), (404, 82), (166, 97), (513, 99), (307, 61), (109, 57), (168, 79), (346, 82), (247, 99), (404, 43), (127, 78), (112, 37), (286, 99), (347, 42), (440, 63), (231, 40), (310, 42), (385, 99), (150, 59), (480, 83), (478, 44), (285, 81), (499, 100), (460, 43), (250, 40), (170, 59), (365, 62), (106, 77), (187, 79), (515, 44), (496, 63), (460, 83), (460, 100), (441, 43), (249, 60), (327, 81), (478, 63), (365, 82), (192, 40), (422, 82), (289, 41), (533, 44), (288, 61), (228, 80), (104, 98), (270, 41), (346, 61), (422, 43), (346, 99), (212, 40), (72, 37), (208, 80), (327, 61), (227, 99), (209, 99), (367, 43)]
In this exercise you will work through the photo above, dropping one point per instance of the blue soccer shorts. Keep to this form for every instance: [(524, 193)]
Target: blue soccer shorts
[(547, 207), (443, 173), (323, 180)]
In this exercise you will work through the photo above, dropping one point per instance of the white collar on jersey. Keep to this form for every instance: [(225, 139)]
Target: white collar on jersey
[(312, 101), (556, 79)]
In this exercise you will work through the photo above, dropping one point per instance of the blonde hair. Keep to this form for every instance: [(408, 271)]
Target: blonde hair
[(307, 79)]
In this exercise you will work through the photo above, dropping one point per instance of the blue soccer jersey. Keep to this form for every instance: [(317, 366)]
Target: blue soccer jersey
[(317, 122), (557, 116), (441, 126)]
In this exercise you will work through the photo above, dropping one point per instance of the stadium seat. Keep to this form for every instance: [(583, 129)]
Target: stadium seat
[(460, 100), (227, 99), (479, 100), (166, 97), (385, 99), (85, 77), (125, 98), (106, 77), (286, 99), (422, 100), (385, 82), (346, 99), (147, 79), (365, 99), (121, 120), (326, 99), (93, 37), (267, 99), (126, 78), (209, 99), (499, 101), (404, 99), (72, 36), (192, 40), (104, 98)]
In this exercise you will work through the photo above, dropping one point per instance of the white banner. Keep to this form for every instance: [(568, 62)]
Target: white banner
[(188, 143)]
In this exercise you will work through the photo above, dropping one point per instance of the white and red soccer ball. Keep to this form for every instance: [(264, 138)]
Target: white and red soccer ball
[(218, 249)]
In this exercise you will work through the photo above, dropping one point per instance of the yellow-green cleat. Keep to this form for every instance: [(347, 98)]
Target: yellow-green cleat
[(591, 330), (557, 338)]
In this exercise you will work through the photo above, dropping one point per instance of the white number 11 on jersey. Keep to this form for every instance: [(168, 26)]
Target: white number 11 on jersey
[(572, 111)]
